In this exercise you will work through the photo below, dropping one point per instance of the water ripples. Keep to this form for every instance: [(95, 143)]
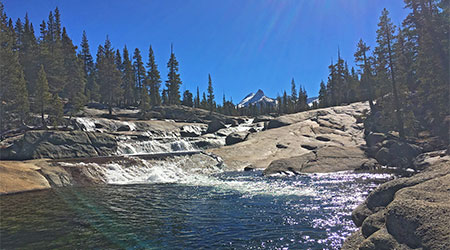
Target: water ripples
[(241, 210)]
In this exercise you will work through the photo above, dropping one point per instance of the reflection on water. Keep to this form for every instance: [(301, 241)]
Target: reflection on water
[(224, 211)]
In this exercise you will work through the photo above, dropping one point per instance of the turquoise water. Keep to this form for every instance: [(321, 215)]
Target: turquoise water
[(237, 210)]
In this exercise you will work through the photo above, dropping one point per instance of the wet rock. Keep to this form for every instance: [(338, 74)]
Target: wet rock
[(214, 126), (237, 137)]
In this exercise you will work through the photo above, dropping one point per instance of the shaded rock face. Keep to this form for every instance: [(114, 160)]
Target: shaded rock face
[(59, 144), (214, 126), (407, 213), (237, 137), (324, 159), (279, 122), (397, 154)]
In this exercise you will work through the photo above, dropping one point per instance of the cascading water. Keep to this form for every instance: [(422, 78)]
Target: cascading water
[(166, 145)]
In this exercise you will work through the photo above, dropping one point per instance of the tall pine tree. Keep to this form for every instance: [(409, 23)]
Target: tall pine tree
[(173, 82), (153, 79), (211, 102)]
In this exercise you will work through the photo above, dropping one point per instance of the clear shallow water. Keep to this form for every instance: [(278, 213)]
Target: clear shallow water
[(237, 210)]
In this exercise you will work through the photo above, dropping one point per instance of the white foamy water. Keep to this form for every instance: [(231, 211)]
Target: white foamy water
[(181, 171), (88, 123), (154, 146)]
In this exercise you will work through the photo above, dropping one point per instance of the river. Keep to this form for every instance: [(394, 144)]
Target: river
[(169, 208)]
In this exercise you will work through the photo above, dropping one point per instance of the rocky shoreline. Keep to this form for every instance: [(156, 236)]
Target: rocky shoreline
[(407, 213)]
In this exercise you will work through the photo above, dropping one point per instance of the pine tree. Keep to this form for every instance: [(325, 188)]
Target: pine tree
[(187, 99), (204, 102), (197, 99), (164, 97), (74, 73), (128, 84), (427, 32), (13, 92), (385, 41), (153, 78), (332, 85), (144, 104), (56, 113), (285, 102), (109, 77), (91, 87), (293, 99), (323, 95), (173, 82), (42, 94), (211, 102), (302, 99), (138, 69), (51, 54), (366, 75), (28, 56)]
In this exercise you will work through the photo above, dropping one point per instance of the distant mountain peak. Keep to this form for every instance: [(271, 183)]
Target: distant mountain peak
[(257, 98)]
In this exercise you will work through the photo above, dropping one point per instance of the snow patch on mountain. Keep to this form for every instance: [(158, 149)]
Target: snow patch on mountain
[(257, 98)]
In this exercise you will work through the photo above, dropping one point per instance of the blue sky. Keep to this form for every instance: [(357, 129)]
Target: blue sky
[(244, 44)]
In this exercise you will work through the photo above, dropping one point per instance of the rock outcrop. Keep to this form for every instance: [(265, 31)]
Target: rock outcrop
[(391, 151), (214, 126), (407, 213), (21, 176), (236, 137), (58, 144), (321, 140)]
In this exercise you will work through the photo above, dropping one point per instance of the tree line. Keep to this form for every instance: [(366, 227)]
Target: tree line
[(50, 76), (405, 77)]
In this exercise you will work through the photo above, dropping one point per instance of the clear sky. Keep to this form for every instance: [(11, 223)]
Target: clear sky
[(244, 44)]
